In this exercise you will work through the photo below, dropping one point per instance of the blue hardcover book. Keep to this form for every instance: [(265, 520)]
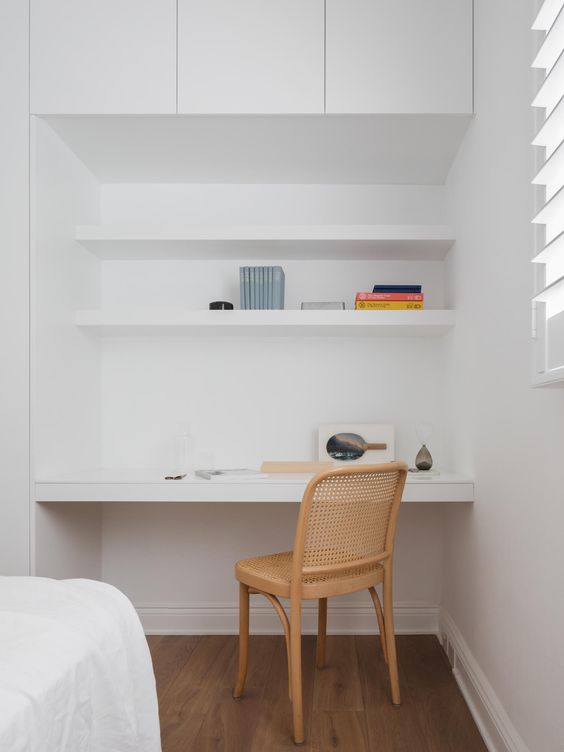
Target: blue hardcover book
[(247, 288), (397, 288), (278, 287), (257, 287), (261, 287), (252, 287), (241, 287), (269, 287)]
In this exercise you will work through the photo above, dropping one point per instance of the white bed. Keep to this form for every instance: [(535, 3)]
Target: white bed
[(75, 669)]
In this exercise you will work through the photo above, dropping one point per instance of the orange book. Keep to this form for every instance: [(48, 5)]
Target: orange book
[(388, 305)]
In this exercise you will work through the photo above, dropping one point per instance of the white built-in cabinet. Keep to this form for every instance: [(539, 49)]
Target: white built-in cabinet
[(251, 56), (103, 56), (399, 56)]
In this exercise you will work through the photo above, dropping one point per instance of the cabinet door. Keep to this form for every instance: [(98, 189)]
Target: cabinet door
[(399, 56), (103, 56), (250, 56)]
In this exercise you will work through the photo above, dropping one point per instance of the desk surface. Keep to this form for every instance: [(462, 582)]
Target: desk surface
[(149, 486)]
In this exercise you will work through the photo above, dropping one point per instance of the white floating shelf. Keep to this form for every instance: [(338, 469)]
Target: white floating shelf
[(150, 486), (151, 321), (349, 242)]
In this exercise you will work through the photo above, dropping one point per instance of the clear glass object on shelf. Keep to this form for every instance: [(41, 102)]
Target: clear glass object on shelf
[(182, 452)]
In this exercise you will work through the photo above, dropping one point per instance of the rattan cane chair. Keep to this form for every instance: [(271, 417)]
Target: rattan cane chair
[(344, 542)]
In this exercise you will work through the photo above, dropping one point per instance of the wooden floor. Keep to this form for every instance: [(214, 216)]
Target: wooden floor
[(346, 705)]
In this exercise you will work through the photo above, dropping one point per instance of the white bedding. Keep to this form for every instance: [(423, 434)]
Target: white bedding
[(75, 669)]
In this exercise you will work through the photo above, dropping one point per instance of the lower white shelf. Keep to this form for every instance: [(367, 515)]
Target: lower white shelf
[(150, 486), (150, 321)]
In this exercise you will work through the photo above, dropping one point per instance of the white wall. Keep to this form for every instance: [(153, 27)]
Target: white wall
[(65, 363), (65, 276), (292, 384), (504, 567), (248, 399), (14, 288), (280, 203)]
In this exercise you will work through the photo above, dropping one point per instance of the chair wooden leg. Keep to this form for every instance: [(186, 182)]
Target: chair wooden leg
[(296, 674), (380, 617), (243, 640), (390, 636), (321, 633)]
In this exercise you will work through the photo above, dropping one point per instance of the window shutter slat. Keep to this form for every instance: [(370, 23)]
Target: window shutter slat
[(551, 174), (551, 132), (552, 45), (553, 296), (552, 88), (552, 215), (547, 14), (552, 251)]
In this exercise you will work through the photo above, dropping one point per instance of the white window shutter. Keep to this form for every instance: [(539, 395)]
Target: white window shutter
[(550, 97)]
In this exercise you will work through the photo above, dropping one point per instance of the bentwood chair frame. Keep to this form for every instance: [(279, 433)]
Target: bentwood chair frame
[(344, 542)]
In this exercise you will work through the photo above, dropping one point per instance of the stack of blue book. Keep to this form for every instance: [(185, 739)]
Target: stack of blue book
[(261, 287)]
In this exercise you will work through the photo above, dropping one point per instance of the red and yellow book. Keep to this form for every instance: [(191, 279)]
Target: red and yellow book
[(390, 296), (389, 305)]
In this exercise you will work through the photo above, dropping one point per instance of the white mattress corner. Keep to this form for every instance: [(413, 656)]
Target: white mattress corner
[(75, 669)]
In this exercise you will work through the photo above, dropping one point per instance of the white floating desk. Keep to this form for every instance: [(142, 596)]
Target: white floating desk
[(150, 486)]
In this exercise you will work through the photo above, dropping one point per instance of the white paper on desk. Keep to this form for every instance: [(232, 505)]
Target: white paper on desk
[(236, 473)]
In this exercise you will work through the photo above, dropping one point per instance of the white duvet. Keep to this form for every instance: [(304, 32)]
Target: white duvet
[(75, 669)]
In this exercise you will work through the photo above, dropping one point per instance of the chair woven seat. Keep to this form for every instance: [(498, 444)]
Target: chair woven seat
[(273, 574)]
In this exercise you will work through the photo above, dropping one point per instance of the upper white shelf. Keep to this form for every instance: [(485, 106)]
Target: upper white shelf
[(105, 485), (358, 242), (430, 323)]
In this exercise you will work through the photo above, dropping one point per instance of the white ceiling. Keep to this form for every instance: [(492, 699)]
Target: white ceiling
[(412, 149)]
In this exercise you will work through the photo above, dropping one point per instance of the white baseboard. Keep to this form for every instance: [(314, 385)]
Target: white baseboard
[(223, 618), (496, 728)]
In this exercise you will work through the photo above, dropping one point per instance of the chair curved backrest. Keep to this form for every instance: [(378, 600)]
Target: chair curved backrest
[(348, 519)]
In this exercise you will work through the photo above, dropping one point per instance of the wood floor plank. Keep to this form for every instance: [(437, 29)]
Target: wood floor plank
[(210, 668), (261, 653), (341, 730), (441, 710), (181, 736), (273, 732), (173, 652), (389, 728), (230, 724), (198, 714), (337, 686)]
